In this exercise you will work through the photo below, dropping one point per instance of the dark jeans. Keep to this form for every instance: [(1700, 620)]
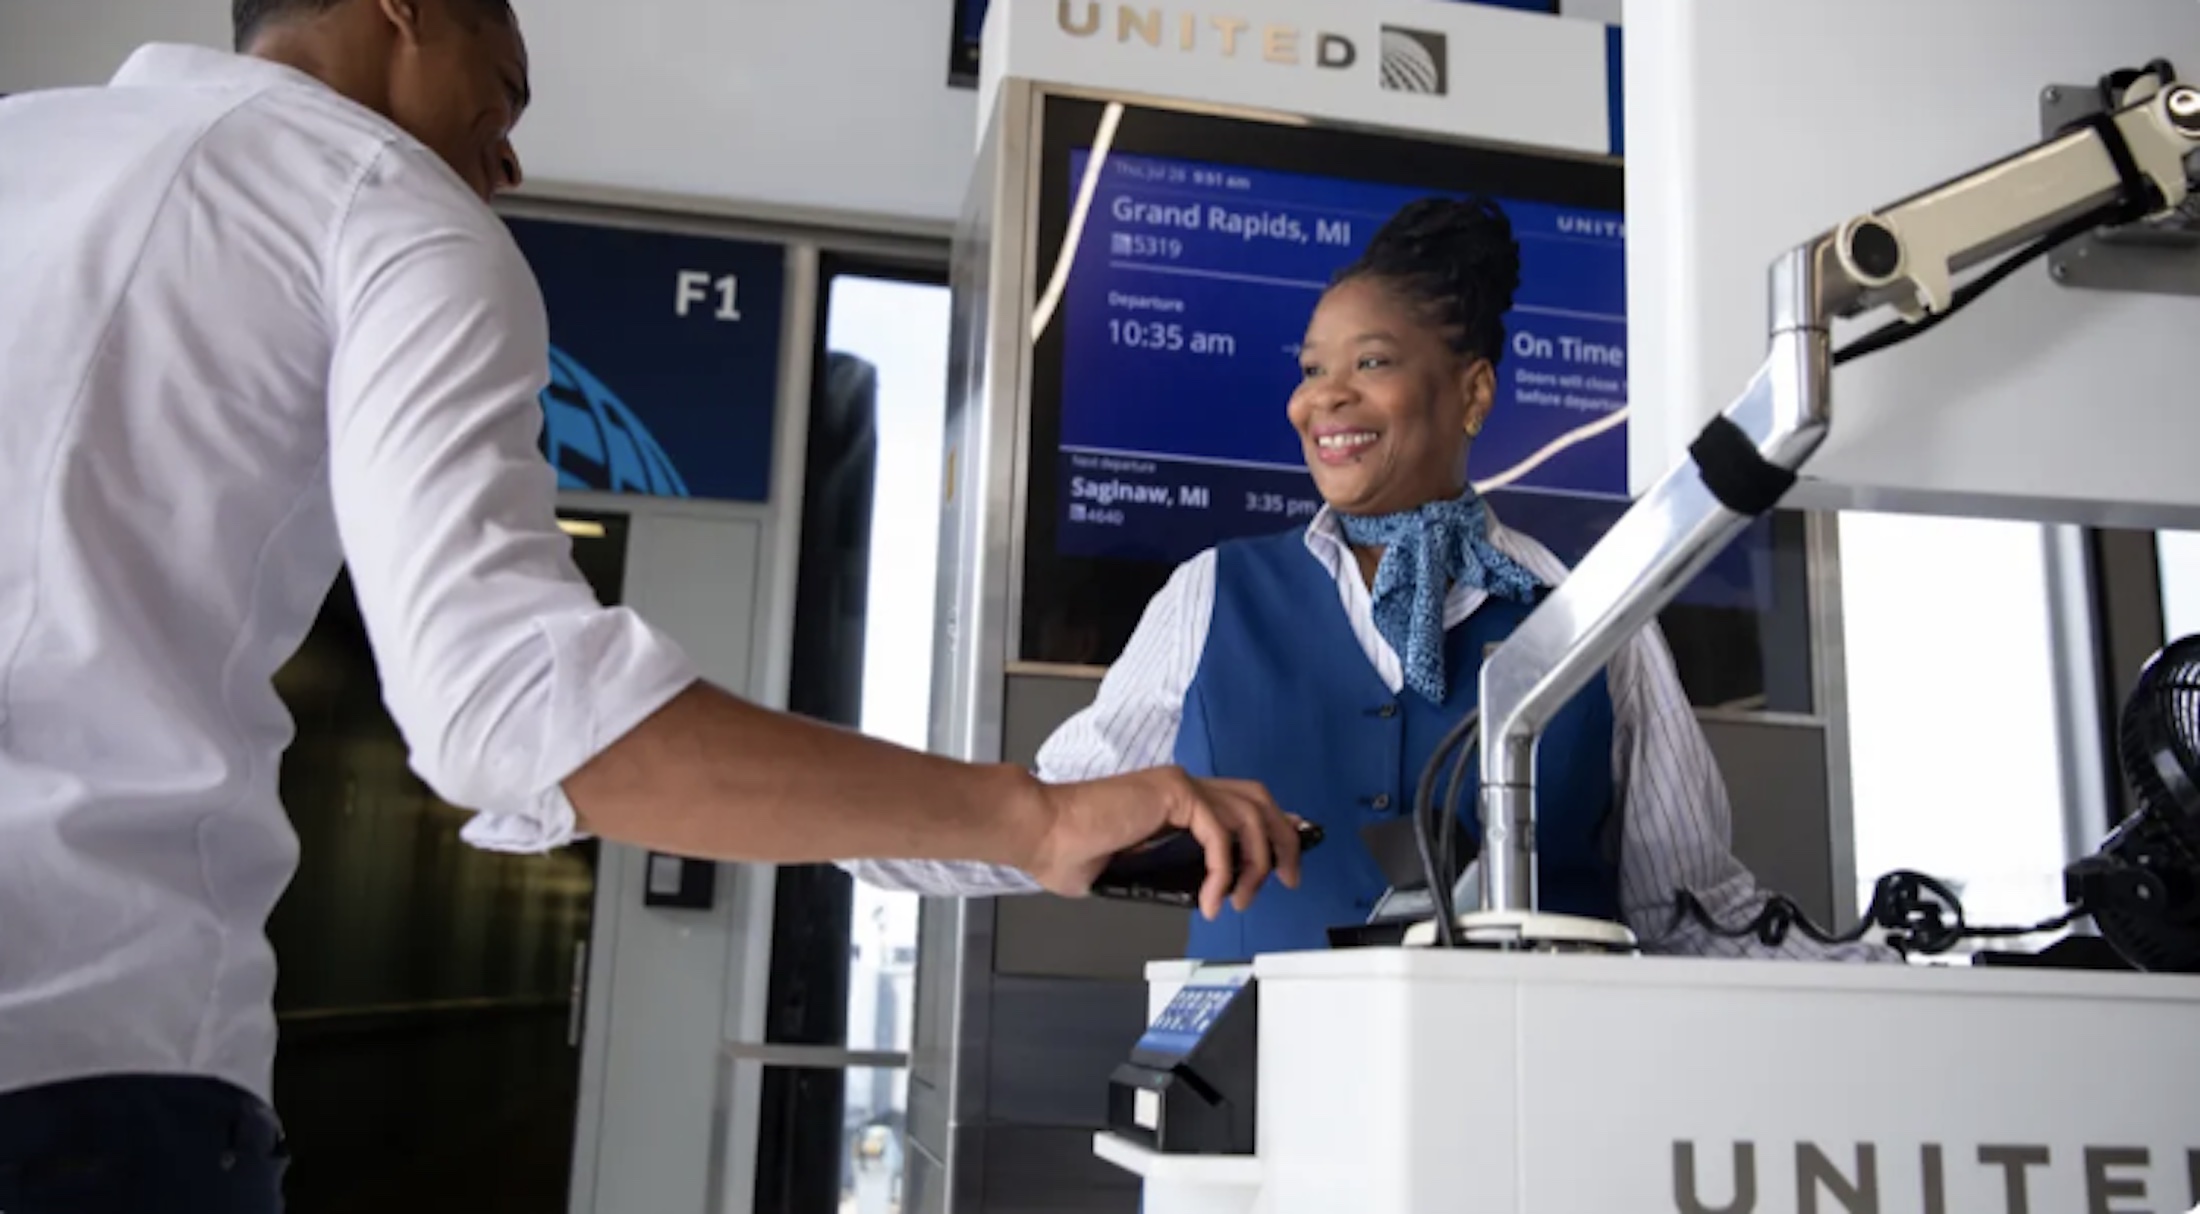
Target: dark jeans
[(139, 1145)]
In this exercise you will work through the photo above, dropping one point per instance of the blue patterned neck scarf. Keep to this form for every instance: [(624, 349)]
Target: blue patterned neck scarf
[(1425, 553)]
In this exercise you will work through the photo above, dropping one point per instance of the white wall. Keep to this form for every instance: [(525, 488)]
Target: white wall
[(52, 43), (830, 103), (1977, 417), (839, 104), (834, 104)]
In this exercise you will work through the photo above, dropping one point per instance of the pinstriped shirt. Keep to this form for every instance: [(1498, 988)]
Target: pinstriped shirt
[(1676, 823)]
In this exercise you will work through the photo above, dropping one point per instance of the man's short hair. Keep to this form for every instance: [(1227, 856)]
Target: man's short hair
[(248, 17)]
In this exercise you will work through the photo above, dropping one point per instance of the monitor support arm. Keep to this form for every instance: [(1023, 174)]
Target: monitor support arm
[(2131, 160)]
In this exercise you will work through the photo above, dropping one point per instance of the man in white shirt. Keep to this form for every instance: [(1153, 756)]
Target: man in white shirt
[(256, 320)]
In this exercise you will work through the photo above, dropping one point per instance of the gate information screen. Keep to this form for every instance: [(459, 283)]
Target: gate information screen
[(1179, 258)]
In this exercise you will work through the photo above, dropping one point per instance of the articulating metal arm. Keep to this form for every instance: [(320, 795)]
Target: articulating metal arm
[(1905, 255)]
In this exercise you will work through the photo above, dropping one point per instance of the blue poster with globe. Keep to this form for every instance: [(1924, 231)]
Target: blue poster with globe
[(664, 359)]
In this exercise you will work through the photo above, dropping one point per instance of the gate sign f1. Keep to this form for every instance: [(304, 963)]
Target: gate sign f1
[(664, 359)]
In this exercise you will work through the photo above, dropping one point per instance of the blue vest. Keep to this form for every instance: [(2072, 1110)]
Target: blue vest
[(1285, 695)]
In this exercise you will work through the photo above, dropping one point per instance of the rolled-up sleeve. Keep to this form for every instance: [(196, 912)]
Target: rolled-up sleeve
[(500, 667)]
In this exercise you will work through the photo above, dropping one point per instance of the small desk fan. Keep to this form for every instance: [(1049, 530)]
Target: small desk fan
[(2142, 887)]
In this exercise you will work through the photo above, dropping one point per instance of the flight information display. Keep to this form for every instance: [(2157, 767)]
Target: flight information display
[(1190, 292), (1165, 352)]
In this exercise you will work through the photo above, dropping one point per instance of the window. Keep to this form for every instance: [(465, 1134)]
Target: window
[(2179, 552), (844, 955), (901, 329), (1954, 753)]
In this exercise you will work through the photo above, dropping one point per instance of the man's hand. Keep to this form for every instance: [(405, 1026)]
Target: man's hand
[(1243, 832), (712, 776)]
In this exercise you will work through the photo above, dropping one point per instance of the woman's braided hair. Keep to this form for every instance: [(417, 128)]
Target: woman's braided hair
[(1456, 262)]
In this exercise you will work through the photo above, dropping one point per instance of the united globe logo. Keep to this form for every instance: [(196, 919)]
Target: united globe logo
[(595, 442), (1415, 61)]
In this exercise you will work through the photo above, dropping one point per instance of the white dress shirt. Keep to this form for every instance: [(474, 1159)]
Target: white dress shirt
[(249, 331), (1676, 825)]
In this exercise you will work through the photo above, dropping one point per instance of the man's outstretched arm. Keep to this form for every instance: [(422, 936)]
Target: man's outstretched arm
[(711, 775), (523, 698)]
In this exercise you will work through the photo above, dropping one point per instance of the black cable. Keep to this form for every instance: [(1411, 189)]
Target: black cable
[(1902, 903), (1447, 851), (2114, 86), (1903, 330), (1447, 822), (1425, 826)]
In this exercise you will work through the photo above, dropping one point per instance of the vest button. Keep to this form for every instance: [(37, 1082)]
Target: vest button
[(1381, 801), (1387, 710)]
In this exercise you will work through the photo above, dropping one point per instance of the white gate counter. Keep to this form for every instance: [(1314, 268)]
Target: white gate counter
[(1408, 1081)]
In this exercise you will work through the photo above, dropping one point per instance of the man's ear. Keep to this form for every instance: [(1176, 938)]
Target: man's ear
[(404, 16), (1478, 387)]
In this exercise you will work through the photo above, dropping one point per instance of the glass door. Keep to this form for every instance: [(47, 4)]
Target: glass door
[(843, 955)]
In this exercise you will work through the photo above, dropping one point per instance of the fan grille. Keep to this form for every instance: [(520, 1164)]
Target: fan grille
[(2159, 737)]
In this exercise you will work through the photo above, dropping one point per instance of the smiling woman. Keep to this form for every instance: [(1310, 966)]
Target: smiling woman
[(1327, 660), (1399, 363)]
